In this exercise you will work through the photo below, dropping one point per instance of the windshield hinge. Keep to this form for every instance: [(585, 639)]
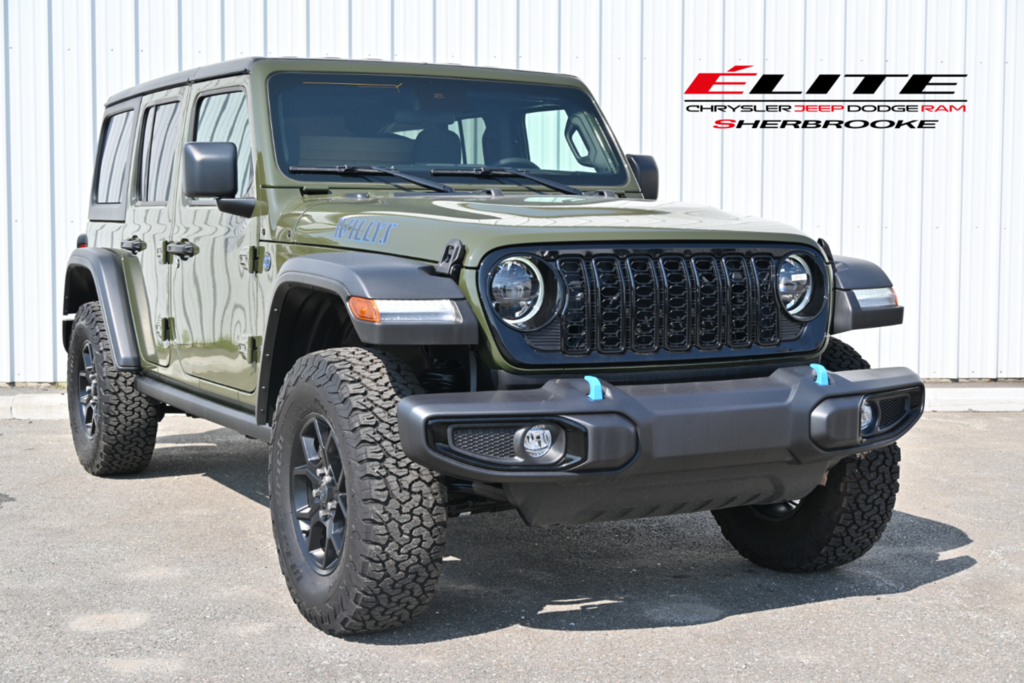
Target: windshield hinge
[(451, 259)]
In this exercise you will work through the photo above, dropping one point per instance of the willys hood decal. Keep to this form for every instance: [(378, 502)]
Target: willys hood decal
[(419, 226)]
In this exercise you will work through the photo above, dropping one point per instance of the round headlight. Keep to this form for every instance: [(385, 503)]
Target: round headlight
[(795, 284), (517, 290)]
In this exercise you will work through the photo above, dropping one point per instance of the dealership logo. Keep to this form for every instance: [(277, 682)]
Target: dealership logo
[(734, 90), (823, 84)]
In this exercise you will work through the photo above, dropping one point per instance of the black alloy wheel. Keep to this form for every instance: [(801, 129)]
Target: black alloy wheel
[(88, 391), (360, 528), (112, 424), (319, 495)]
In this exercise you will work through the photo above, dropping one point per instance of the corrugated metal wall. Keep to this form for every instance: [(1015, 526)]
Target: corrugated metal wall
[(941, 210)]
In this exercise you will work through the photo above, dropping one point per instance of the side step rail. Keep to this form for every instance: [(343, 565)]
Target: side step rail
[(187, 402)]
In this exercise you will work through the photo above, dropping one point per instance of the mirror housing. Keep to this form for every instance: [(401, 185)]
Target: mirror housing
[(645, 168), (210, 171)]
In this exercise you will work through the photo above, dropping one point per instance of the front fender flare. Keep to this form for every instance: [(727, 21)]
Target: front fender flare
[(110, 290), (851, 274), (371, 276)]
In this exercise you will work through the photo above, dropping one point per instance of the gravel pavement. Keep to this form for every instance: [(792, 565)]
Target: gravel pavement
[(172, 575)]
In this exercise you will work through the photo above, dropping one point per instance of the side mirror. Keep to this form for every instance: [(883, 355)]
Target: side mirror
[(645, 168), (211, 171)]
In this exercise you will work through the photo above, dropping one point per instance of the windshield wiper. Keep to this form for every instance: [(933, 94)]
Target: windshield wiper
[(490, 172), (372, 170)]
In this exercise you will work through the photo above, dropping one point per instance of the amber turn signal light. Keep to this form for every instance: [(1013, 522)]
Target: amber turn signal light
[(364, 309)]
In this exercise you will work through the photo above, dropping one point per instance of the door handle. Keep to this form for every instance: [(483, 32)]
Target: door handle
[(183, 250), (134, 245)]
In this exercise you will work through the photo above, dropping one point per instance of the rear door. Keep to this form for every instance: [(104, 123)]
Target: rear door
[(150, 222), (214, 291)]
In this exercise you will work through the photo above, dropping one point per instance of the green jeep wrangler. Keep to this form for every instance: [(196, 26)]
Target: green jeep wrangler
[(443, 290)]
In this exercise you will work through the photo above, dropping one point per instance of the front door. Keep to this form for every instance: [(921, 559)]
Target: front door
[(150, 222), (213, 292)]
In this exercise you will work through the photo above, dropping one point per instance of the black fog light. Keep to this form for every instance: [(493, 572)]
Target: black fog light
[(510, 443)]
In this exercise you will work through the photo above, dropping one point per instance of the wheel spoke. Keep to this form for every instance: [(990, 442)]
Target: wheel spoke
[(310, 450), (307, 474), (309, 511), (335, 541)]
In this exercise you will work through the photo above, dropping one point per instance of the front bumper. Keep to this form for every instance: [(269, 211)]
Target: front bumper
[(658, 449)]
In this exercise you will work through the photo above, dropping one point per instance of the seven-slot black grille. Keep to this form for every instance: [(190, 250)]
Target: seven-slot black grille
[(670, 302)]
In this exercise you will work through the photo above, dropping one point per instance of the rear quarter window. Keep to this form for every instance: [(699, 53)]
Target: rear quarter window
[(115, 153)]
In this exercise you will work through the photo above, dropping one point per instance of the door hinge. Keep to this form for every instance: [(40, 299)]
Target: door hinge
[(166, 331), (254, 260), (250, 349)]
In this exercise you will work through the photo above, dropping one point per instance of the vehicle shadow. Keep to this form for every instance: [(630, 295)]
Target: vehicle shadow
[(671, 571), (230, 459), (668, 571)]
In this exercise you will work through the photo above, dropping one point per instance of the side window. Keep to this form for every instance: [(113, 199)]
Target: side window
[(224, 117), (117, 142), (156, 163)]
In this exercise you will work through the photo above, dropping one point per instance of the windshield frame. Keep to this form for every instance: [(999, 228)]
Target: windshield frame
[(628, 183)]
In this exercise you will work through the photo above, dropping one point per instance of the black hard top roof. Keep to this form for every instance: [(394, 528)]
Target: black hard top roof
[(232, 67), (243, 65)]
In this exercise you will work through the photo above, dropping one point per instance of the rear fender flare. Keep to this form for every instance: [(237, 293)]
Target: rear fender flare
[(95, 274)]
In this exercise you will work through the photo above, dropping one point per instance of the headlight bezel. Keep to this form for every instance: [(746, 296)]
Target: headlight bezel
[(815, 299), (549, 301)]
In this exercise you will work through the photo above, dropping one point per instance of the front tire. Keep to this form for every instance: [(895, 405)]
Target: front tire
[(837, 522), (112, 424), (360, 528)]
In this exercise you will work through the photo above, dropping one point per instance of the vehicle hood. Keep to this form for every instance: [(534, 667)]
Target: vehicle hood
[(419, 226)]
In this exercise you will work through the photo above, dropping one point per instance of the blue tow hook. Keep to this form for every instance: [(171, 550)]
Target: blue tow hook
[(596, 393), (821, 373)]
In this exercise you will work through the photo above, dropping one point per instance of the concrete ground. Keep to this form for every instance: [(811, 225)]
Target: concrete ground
[(172, 575)]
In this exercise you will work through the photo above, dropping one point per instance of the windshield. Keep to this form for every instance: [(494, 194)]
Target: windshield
[(419, 125)]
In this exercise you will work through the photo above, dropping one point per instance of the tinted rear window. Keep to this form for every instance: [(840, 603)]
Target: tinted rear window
[(116, 142)]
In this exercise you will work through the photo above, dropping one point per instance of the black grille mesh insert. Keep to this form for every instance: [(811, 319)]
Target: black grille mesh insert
[(611, 311), (767, 304), (709, 307), (739, 299), (493, 442), (676, 284), (891, 411)]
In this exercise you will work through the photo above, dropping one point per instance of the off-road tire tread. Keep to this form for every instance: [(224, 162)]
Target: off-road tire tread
[(841, 356), (403, 536), (128, 420), (862, 493), (867, 488)]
